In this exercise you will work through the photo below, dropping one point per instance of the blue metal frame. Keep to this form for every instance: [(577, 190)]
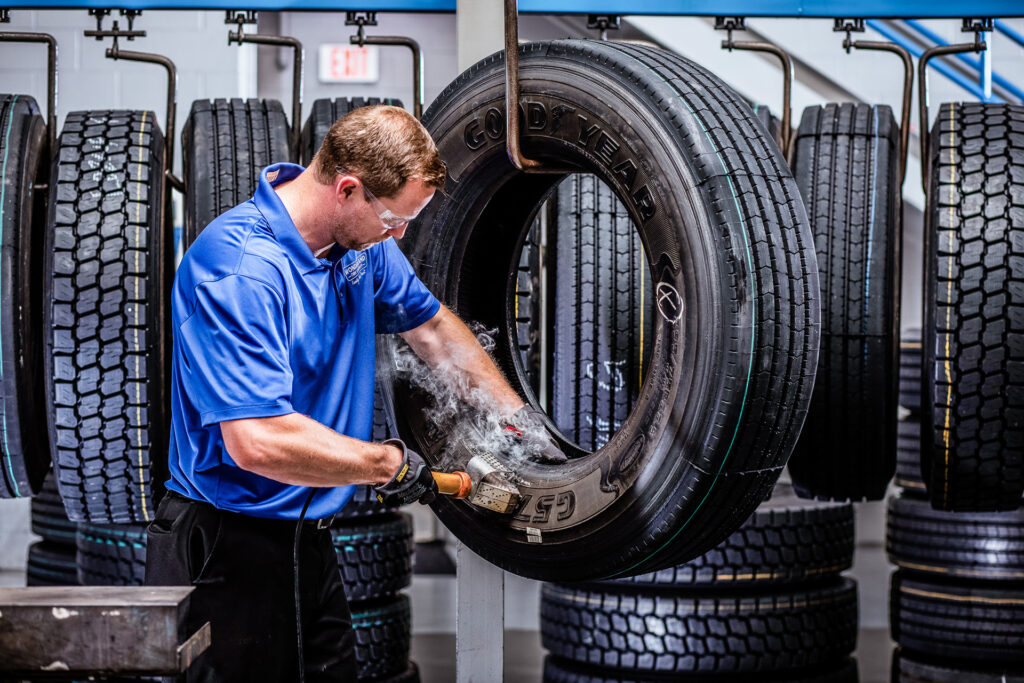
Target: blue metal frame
[(748, 8)]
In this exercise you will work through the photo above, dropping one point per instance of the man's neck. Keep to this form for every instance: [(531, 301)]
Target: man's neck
[(303, 198)]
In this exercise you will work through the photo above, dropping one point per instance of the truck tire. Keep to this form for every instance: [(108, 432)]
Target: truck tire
[(383, 637), (972, 432), (106, 292), (24, 451), (910, 373), (730, 253), (908, 668), (908, 457), (700, 633), (969, 545), (225, 144), (787, 540), (324, 113), (564, 671), (846, 162), (958, 620), (50, 565), (49, 518), (111, 554), (602, 296), (375, 556), (772, 124)]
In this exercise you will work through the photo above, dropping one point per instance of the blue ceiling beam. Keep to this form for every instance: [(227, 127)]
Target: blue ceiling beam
[(922, 9)]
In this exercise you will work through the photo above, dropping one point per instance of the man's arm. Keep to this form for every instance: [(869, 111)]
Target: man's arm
[(295, 449), (448, 346)]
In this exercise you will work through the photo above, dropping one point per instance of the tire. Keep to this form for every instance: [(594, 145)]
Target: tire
[(24, 457), (720, 634), (771, 123), (49, 519), (908, 458), (383, 637), (708, 433), (972, 439), (322, 116), (967, 621), (225, 144), (106, 319), (375, 556), (602, 295), (969, 545), (111, 555), (846, 162), (787, 540), (50, 565), (910, 374), (908, 669), (563, 671)]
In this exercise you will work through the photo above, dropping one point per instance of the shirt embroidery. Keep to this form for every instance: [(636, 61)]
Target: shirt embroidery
[(354, 271)]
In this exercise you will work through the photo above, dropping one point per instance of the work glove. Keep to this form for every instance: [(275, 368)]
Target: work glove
[(528, 425), (412, 482)]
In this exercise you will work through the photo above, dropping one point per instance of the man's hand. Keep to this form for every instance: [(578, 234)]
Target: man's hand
[(535, 435), (412, 482)]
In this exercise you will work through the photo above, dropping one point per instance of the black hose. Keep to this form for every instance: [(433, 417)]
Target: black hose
[(298, 599)]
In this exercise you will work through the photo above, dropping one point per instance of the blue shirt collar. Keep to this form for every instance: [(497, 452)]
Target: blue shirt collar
[(281, 224)]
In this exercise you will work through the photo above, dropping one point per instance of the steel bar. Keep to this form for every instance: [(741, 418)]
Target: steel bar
[(908, 89), (515, 154), (922, 95), (51, 75), (259, 39), (417, 63)]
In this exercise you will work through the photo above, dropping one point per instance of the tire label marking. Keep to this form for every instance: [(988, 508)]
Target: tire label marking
[(670, 304)]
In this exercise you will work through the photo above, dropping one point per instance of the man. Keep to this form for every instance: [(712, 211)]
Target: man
[(275, 307)]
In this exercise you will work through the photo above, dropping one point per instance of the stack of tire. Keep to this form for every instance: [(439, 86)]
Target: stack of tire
[(51, 561), (957, 599), (767, 604), (373, 542)]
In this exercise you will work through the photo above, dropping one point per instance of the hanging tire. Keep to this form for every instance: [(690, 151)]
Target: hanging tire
[(969, 545), (225, 144), (771, 123), (564, 671), (846, 162), (908, 668), (375, 556), (715, 421), (324, 113), (602, 294), (958, 620), (111, 554), (787, 540), (48, 517), (720, 633), (105, 319), (383, 637), (24, 451), (972, 434), (50, 565)]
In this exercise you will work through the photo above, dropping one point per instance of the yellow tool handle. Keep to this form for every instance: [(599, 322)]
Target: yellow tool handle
[(455, 484)]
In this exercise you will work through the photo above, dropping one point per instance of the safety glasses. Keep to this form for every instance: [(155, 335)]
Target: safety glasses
[(388, 218)]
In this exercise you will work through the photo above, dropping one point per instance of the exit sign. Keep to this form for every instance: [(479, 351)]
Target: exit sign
[(349, 64)]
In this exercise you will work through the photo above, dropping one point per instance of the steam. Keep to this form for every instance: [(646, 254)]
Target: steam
[(467, 415)]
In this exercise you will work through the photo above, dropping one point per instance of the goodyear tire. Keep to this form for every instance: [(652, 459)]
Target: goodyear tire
[(958, 620), (225, 144), (787, 540), (972, 432), (679, 632), (24, 458), (324, 113), (105, 320), (375, 556), (846, 162), (731, 257), (968, 545), (111, 554)]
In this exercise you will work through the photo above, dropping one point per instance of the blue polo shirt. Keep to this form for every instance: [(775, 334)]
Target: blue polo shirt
[(263, 328)]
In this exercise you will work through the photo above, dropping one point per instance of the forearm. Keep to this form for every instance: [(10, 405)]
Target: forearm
[(295, 449), (449, 348)]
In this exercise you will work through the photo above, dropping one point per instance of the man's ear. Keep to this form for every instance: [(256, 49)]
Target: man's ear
[(345, 186)]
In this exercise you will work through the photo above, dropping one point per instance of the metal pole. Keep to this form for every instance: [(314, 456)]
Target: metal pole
[(51, 75), (515, 154), (417, 63)]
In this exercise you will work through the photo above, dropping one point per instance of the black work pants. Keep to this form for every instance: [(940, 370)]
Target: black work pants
[(243, 572)]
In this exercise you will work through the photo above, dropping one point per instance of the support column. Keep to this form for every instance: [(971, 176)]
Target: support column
[(479, 618)]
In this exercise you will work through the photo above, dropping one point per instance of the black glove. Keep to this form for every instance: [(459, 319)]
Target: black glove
[(412, 482), (531, 428)]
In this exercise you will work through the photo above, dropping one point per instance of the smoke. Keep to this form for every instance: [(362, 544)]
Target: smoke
[(467, 415)]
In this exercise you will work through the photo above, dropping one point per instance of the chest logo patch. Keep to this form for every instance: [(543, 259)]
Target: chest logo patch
[(355, 271)]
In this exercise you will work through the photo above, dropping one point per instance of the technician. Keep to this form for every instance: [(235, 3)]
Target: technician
[(275, 307)]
